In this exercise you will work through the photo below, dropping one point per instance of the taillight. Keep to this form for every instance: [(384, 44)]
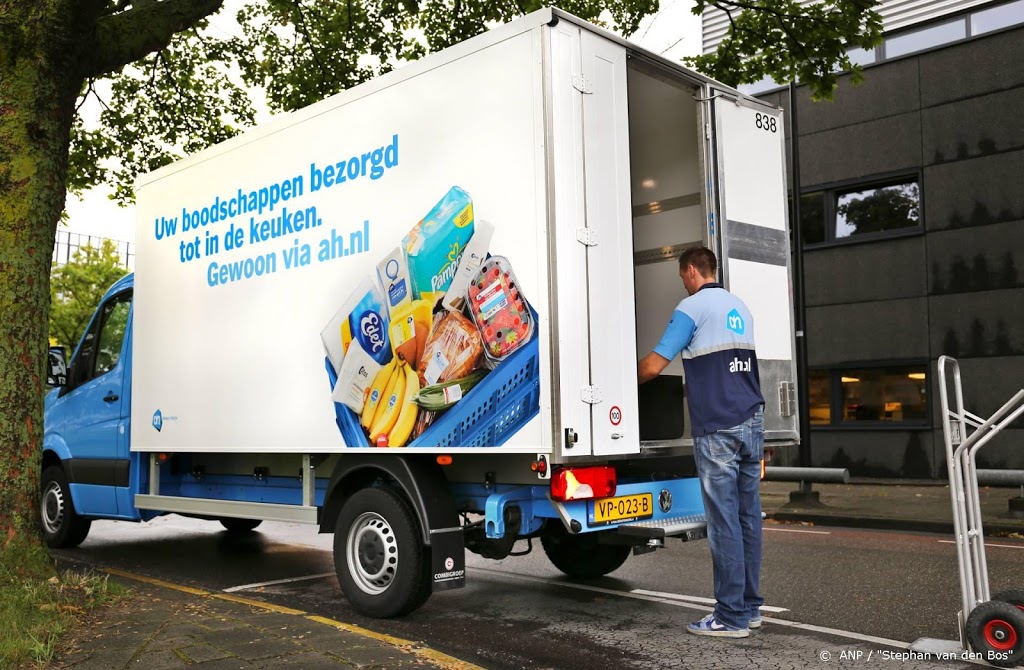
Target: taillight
[(583, 483)]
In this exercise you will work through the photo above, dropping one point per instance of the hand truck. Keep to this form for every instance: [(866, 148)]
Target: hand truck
[(991, 626)]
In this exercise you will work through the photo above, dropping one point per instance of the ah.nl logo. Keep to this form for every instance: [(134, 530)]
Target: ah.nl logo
[(159, 418), (734, 322)]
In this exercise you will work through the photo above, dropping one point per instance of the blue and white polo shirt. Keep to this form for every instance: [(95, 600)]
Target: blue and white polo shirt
[(714, 332)]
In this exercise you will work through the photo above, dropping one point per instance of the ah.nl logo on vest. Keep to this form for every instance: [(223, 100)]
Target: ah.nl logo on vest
[(734, 322)]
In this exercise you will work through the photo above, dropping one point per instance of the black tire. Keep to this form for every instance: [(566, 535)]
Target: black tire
[(582, 556), (1013, 596), (382, 565), (239, 525), (62, 526), (996, 631)]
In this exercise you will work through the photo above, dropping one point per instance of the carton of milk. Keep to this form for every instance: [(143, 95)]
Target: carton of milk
[(434, 246)]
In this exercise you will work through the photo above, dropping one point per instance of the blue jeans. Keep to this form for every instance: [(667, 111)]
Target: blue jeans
[(729, 468)]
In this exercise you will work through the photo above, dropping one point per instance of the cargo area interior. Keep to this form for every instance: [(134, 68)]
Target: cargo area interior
[(668, 216)]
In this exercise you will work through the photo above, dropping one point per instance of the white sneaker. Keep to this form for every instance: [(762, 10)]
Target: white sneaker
[(711, 626)]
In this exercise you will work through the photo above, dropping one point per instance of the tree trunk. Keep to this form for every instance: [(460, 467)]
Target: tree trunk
[(37, 103)]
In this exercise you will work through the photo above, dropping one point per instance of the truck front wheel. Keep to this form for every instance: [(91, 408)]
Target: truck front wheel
[(582, 556), (62, 527), (381, 562)]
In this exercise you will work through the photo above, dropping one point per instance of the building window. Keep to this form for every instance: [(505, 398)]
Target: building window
[(861, 211), (819, 397), (995, 18), (925, 38), (869, 396)]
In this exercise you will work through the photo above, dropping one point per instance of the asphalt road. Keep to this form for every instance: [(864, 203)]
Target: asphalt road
[(844, 587)]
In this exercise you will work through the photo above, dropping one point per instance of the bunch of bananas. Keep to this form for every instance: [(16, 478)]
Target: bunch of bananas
[(389, 414)]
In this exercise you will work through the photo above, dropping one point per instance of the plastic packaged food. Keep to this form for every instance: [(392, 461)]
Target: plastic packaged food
[(499, 309), (453, 350), (472, 256), (357, 344), (435, 244)]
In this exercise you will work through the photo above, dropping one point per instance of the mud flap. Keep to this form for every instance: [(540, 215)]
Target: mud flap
[(448, 559)]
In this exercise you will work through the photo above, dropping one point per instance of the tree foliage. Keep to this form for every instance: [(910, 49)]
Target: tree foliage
[(291, 53), (77, 287), (790, 41)]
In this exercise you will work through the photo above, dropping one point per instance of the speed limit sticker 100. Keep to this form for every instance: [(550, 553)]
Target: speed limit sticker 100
[(615, 415)]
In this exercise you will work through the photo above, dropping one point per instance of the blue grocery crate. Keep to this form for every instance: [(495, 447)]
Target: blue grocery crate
[(491, 412)]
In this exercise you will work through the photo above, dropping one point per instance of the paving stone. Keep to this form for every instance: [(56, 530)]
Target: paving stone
[(311, 661), (164, 659), (375, 656), (200, 653)]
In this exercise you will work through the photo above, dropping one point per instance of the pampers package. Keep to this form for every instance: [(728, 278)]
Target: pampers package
[(435, 244), (356, 342)]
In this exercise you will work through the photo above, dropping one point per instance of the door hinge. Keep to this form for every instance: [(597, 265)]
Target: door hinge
[(787, 399), (707, 131), (591, 395), (582, 83), (586, 236)]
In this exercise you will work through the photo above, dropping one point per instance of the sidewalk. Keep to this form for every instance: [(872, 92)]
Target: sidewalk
[(164, 626), (917, 506)]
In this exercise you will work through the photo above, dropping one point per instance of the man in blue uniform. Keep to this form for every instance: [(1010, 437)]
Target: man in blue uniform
[(714, 332)]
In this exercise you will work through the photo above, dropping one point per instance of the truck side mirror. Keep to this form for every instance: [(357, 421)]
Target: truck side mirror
[(57, 372)]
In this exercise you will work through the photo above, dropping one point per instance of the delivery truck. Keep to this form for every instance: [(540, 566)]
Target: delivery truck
[(410, 315)]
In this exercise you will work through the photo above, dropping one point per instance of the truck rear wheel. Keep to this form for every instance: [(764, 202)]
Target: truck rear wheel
[(62, 527), (582, 556), (381, 562)]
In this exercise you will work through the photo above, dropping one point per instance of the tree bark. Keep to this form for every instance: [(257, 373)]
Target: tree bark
[(47, 49), (37, 103)]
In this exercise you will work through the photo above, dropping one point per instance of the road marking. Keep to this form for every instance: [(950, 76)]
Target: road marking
[(679, 603), (418, 649), (246, 587), (698, 599), (1004, 546), (795, 530)]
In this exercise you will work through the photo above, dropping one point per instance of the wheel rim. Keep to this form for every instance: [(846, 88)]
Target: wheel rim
[(1000, 635), (372, 553), (52, 508)]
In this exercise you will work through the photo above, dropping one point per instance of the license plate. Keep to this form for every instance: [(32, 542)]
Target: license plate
[(623, 508)]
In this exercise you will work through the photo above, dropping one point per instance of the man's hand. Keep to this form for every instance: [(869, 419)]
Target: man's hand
[(650, 366)]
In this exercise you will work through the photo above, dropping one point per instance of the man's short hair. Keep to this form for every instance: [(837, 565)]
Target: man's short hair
[(701, 258)]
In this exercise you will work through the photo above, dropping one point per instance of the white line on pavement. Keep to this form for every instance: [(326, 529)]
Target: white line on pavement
[(1004, 546), (679, 603), (698, 599), (245, 587), (794, 530)]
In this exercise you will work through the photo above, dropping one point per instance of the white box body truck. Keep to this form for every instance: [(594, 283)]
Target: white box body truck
[(411, 313)]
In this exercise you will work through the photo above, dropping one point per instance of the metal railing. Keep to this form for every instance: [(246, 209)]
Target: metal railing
[(67, 243)]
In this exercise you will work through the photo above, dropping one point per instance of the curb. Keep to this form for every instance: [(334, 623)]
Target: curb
[(418, 649), (887, 523)]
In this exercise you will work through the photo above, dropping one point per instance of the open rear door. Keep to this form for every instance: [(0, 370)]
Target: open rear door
[(595, 322), (608, 236), (749, 146)]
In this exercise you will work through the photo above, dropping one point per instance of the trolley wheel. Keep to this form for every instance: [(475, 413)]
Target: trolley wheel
[(996, 631), (1013, 596)]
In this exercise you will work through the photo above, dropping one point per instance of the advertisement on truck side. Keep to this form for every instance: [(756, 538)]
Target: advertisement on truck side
[(370, 272)]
